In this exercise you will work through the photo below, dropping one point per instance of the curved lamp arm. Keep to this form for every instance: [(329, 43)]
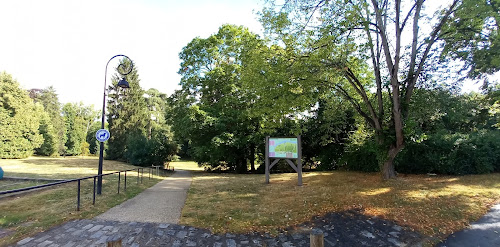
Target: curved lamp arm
[(123, 73)]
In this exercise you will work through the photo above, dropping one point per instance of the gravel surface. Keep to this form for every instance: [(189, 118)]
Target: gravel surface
[(161, 203)]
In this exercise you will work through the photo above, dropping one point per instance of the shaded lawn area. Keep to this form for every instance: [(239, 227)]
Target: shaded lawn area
[(26, 214), (435, 206)]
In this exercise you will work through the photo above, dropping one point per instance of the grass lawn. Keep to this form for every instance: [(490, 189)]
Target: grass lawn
[(59, 168), (27, 214), (435, 206)]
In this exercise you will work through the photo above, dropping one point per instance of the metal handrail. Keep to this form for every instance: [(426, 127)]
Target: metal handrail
[(140, 175)]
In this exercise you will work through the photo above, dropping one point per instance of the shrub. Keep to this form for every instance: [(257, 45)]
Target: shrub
[(361, 157), (455, 154)]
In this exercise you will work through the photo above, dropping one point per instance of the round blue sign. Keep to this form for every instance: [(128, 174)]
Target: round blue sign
[(102, 135)]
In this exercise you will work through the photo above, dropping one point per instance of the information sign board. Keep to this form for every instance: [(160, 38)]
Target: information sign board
[(283, 148)]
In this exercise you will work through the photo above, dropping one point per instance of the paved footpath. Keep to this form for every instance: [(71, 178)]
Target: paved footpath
[(482, 233), (162, 203), (150, 219)]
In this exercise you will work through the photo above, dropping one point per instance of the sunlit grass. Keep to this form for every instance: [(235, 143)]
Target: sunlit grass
[(186, 165), (59, 168), (30, 213), (434, 206)]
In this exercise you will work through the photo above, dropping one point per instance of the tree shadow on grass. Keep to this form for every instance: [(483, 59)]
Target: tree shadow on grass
[(434, 206)]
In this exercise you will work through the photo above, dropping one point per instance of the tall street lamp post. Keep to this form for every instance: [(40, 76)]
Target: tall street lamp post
[(122, 70)]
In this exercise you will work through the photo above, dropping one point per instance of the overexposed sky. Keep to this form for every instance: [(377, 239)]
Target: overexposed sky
[(67, 43)]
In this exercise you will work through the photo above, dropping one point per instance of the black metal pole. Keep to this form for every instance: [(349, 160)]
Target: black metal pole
[(125, 182), (137, 175), (119, 178), (78, 199), (93, 199), (101, 147)]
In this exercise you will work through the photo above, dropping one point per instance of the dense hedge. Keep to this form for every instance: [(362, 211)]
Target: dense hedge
[(455, 154), (442, 153), (361, 157)]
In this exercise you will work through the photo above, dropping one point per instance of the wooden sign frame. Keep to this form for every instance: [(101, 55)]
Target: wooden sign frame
[(297, 167)]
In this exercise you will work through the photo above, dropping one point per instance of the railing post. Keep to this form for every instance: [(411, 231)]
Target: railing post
[(125, 182), (93, 197), (78, 197), (116, 243), (137, 175), (149, 173), (316, 238), (119, 178), (142, 174)]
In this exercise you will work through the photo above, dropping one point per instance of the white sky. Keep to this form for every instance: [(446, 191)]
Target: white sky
[(67, 43)]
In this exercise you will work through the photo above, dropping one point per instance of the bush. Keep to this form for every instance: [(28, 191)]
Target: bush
[(155, 151), (361, 157), (454, 154)]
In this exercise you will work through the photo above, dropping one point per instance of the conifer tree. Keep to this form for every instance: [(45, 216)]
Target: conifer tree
[(127, 114)]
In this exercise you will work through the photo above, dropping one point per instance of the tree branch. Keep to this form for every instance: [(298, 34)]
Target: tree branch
[(433, 38), (355, 105)]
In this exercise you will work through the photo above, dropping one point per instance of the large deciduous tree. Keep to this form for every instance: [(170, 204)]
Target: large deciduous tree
[(372, 52), (213, 109), (78, 119), (19, 120)]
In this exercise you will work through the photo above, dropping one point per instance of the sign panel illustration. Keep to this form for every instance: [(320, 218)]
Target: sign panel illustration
[(283, 148)]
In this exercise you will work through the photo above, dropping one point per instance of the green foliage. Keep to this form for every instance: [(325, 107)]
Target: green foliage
[(326, 133), (214, 110), (19, 120), (48, 98), (90, 138), (472, 36), (84, 148), (361, 152), (155, 151), (127, 113), (49, 146), (77, 118), (456, 154)]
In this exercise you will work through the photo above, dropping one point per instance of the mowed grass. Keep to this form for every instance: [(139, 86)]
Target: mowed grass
[(59, 168), (186, 165), (12, 185), (435, 206), (26, 214)]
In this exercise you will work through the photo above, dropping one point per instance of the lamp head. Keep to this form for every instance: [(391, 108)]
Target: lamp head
[(123, 83)]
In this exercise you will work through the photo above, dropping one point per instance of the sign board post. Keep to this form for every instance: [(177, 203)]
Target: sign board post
[(289, 149)]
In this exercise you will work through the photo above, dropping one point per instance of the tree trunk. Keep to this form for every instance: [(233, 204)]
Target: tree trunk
[(241, 164), (252, 157), (388, 171)]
